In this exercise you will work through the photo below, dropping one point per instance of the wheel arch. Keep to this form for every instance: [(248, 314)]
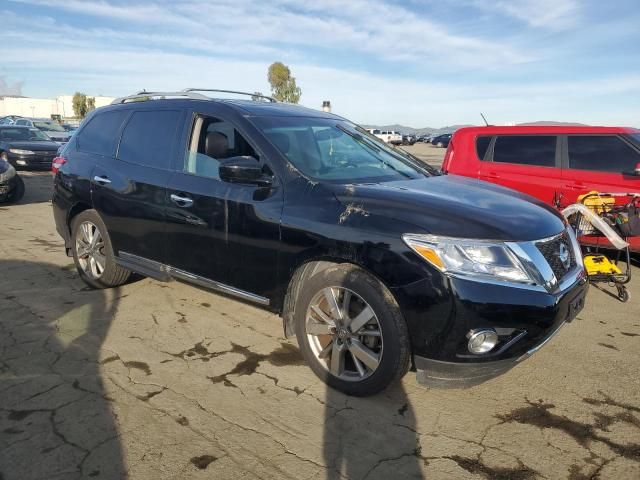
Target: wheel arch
[(74, 211), (306, 269)]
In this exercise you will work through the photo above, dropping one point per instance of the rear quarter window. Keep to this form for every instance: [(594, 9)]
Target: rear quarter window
[(482, 145), (534, 150), (100, 135), (149, 138), (602, 153)]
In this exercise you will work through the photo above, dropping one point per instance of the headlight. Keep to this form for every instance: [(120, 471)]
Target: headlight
[(10, 172), (21, 152), (470, 258)]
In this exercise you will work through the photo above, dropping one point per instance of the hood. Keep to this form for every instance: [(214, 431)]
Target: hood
[(35, 146), (454, 206)]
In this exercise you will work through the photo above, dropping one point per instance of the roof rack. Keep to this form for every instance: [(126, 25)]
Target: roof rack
[(256, 95), (187, 92)]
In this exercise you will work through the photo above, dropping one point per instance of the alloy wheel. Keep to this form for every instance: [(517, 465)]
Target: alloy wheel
[(90, 250), (344, 333)]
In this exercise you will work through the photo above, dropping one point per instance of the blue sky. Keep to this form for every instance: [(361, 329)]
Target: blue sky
[(418, 63)]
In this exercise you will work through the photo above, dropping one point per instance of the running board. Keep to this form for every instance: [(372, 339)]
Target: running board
[(166, 273)]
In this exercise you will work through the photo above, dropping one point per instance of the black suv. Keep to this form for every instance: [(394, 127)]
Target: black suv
[(375, 262)]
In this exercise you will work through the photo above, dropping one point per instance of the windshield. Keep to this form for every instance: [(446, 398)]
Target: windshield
[(50, 126), (8, 134), (635, 138), (338, 151)]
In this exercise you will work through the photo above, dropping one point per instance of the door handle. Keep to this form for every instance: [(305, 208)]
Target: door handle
[(101, 180), (576, 186), (492, 175), (181, 201)]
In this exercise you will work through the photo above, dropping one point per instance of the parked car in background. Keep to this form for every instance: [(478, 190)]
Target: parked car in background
[(26, 147), (375, 261), (387, 136), (69, 128), (555, 164), (8, 120), (408, 139), (441, 140), (52, 129), (11, 185)]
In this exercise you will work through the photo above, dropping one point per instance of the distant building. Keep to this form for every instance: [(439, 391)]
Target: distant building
[(43, 107)]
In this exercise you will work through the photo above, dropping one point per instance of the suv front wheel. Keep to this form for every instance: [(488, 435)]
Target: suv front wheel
[(93, 254), (351, 332)]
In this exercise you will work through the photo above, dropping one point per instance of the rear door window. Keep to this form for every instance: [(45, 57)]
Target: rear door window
[(100, 135), (149, 138), (602, 153), (535, 150)]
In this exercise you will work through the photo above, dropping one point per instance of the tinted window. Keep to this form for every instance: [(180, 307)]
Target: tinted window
[(601, 153), (149, 137), (537, 150), (100, 135), (22, 122), (482, 144)]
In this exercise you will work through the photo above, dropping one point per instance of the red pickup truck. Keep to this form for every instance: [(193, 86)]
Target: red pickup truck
[(553, 163)]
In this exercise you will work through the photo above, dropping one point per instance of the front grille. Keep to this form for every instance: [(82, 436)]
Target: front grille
[(552, 252)]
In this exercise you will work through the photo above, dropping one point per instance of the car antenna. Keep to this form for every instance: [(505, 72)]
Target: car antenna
[(485, 120)]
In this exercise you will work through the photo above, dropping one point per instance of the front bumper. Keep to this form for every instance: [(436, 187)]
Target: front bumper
[(533, 328), (7, 188), (40, 160)]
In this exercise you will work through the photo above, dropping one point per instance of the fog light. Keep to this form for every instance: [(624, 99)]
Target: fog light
[(21, 162), (482, 341)]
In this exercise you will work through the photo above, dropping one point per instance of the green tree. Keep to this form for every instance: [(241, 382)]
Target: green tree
[(283, 85), (91, 104), (257, 97), (79, 104)]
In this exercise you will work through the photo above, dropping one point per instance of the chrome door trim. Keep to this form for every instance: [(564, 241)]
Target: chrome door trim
[(192, 278), (213, 285)]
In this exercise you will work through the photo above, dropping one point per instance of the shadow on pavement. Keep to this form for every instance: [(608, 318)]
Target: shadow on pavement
[(56, 420), (373, 438)]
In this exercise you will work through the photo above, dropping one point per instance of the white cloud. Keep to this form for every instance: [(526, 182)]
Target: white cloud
[(230, 43), (549, 14), (381, 31)]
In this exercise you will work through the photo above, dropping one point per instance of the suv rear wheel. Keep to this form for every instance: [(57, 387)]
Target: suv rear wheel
[(93, 254), (351, 332)]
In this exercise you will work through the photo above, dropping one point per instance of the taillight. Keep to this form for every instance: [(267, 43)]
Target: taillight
[(448, 156), (57, 163)]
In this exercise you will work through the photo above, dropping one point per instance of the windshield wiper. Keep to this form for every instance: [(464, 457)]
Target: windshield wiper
[(361, 140)]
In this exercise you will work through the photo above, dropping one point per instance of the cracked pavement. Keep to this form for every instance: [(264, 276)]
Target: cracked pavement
[(155, 381)]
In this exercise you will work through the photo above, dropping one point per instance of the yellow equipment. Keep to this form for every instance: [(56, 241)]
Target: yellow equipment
[(600, 265)]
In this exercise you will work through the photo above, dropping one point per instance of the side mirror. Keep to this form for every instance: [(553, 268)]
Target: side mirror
[(243, 169)]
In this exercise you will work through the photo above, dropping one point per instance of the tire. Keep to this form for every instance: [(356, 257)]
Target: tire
[(18, 191), (382, 350), (111, 274), (440, 145)]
